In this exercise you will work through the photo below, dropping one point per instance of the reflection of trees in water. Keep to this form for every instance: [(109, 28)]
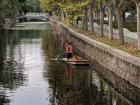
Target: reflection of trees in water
[(48, 43), (12, 56), (51, 48), (29, 34), (11, 74), (119, 86), (3, 98), (51, 45), (12, 60), (70, 91), (2, 48), (74, 86), (70, 98), (111, 89), (69, 87)]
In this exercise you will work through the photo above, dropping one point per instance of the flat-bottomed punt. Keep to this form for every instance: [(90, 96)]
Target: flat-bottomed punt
[(76, 62)]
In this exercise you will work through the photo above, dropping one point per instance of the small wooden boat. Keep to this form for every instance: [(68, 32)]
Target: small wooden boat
[(76, 62)]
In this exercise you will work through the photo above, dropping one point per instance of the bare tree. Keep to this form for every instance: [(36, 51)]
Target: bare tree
[(118, 8), (91, 15), (110, 20), (137, 2), (101, 17)]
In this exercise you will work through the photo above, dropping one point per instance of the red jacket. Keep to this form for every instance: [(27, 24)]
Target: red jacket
[(69, 49)]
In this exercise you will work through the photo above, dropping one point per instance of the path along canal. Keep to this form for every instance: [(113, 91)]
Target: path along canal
[(28, 76)]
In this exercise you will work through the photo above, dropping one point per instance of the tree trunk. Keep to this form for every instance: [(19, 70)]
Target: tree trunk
[(101, 19), (110, 22), (62, 16), (76, 23), (91, 18), (59, 15), (120, 26), (86, 21), (138, 24), (83, 23), (54, 15), (123, 16)]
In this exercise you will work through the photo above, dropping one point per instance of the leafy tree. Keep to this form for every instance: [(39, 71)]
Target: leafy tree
[(32, 6), (8, 8), (72, 9), (11, 8)]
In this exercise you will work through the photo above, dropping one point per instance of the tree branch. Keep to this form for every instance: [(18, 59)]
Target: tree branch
[(121, 2)]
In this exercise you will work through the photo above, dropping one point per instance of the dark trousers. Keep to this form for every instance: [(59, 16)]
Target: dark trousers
[(69, 55)]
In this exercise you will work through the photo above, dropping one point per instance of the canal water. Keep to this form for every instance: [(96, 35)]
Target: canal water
[(28, 75)]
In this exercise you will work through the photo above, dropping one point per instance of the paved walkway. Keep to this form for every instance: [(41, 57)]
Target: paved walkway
[(127, 38)]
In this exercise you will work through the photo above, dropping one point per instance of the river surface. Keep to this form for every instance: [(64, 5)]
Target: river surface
[(29, 76)]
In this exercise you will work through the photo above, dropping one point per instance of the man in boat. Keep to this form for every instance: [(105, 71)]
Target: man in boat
[(69, 51)]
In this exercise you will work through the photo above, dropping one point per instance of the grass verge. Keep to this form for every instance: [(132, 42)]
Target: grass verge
[(130, 48)]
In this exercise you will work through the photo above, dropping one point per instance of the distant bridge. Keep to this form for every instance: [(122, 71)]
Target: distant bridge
[(34, 17)]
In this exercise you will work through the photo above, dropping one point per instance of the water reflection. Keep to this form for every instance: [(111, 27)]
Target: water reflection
[(77, 85), (119, 85), (13, 58), (68, 72), (28, 75), (98, 91), (11, 74)]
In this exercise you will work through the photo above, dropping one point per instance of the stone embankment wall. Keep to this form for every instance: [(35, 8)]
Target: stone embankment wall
[(122, 64)]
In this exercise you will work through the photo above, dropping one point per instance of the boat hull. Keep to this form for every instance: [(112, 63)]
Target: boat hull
[(80, 62)]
